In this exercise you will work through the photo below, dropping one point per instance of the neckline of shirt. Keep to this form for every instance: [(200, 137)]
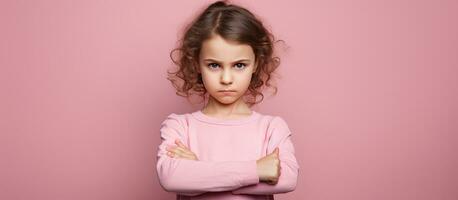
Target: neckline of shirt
[(205, 118)]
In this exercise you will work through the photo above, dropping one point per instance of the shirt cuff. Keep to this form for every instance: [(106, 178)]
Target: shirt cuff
[(249, 174)]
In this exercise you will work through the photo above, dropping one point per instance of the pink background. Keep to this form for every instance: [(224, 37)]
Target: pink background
[(368, 88)]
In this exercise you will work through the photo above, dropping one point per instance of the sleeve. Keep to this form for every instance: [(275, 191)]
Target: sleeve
[(280, 137), (191, 177)]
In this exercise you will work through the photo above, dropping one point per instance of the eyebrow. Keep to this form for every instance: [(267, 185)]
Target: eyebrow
[(240, 60)]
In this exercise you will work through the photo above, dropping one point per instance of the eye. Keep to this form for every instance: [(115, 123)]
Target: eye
[(241, 66), (211, 65)]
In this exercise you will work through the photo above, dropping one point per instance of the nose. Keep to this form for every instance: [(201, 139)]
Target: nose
[(226, 77)]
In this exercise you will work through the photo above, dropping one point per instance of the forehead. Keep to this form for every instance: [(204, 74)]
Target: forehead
[(224, 50)]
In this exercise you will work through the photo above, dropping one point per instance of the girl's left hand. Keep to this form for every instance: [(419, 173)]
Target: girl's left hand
[(180, 151)]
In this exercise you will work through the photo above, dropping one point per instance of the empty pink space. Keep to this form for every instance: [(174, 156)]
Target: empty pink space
[(368, 89)]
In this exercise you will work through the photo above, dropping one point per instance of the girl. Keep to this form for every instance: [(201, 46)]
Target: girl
[(226, 150)]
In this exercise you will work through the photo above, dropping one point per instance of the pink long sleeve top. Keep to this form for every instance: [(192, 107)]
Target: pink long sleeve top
[(227, 150)]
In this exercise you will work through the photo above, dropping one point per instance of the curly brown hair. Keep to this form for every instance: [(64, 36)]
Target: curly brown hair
[(233, 23)]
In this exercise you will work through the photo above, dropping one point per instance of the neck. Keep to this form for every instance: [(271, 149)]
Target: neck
[(216, 108)]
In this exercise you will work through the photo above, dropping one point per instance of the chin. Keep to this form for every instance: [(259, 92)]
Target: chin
[(226, 100)]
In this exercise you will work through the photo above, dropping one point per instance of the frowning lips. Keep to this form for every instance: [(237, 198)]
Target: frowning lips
[(226, 91)]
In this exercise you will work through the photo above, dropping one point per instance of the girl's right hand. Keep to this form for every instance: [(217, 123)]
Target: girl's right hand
[(180, 151), (269, 167)]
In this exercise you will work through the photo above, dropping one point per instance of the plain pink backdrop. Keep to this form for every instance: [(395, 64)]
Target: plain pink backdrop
[(368, 88)]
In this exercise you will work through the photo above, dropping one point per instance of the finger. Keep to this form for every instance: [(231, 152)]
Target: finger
[(180, 144), (186, 154), (275, 151), (173, 152), (183, 150), (179, 151), (169, 148), (173, 148), (189, 157), (177, 154), (186, 150)]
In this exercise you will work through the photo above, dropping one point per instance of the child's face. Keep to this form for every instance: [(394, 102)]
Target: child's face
[(226, 65)]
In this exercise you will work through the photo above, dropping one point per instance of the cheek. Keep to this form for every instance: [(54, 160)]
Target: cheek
[(246, 80), (209, 80)]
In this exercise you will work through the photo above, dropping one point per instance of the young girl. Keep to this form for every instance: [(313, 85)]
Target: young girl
[(226, 150)]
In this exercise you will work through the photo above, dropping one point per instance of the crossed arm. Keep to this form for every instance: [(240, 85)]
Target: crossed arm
[(180, 171)]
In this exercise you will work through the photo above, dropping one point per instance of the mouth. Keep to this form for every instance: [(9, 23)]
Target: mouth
[(227, 92)]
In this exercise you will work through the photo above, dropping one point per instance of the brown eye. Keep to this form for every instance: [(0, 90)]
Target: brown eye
[(241, 66), (212, 65)]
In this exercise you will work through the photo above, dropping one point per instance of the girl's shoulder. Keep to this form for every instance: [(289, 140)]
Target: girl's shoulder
[(177, 117)]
